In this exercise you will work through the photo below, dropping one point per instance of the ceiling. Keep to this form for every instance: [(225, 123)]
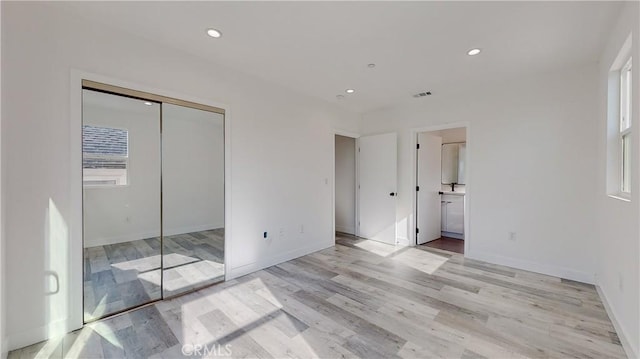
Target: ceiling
[(323, 48)]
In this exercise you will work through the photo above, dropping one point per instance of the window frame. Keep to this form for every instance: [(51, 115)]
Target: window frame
[(625, 126)]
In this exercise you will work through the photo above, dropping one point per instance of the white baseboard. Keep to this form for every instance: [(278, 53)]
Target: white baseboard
[(136, 236), (36, 335), (119, 239), (453, 235), (236, 272), (624, 338), (347, 230), (536, 267), (191, 229), (403, 241)]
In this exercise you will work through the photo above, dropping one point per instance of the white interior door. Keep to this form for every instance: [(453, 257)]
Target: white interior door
[(429, 183), (378, 183)]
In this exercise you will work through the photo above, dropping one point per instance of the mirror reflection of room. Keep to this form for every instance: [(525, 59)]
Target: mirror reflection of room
[(193, 198), (121, 208), (153, 200)]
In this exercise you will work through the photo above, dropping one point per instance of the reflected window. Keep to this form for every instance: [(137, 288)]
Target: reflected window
[(105, 156), (625, 125)]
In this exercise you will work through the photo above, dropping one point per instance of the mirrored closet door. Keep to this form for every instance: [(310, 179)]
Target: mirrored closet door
[(192, 198), (153, 198)]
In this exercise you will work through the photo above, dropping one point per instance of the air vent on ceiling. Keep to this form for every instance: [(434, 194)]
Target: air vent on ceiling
[(422, 94)]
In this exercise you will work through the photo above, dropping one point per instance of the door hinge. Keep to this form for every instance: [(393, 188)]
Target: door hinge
[(417, 230), (418, 147), (417, 188), (358, 149)]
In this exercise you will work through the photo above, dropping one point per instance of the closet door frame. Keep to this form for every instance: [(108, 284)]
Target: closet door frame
[(82, 80)]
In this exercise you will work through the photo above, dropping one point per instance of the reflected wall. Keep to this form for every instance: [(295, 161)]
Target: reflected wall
[(193, 198), (121, 203)]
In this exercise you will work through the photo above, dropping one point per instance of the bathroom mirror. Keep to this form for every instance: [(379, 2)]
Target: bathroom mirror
[(453, 163)]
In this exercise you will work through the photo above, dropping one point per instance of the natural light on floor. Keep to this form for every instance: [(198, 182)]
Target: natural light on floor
[(378, 248), (421, 260)]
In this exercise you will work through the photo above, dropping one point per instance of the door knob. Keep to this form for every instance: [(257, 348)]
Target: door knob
[(392, 194)]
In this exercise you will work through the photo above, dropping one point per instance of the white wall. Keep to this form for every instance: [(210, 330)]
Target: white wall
[(345, 184), (115, 214), (618, 232), (531, 168), (192, 170), (451, 135), (274, 135), (193, 189), (3, 317)]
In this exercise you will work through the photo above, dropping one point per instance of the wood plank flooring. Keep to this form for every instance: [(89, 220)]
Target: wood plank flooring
[(362, 299), (447, 244), (125, 275)]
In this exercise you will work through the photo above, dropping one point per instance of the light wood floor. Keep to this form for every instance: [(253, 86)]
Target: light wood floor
[(126, 275), (363, 299), (447, 244)]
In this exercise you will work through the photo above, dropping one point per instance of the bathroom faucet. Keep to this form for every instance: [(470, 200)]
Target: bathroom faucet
[(453, 186)]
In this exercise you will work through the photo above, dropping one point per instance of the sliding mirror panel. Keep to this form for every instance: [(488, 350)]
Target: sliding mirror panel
[(121, 203), (192, 198)]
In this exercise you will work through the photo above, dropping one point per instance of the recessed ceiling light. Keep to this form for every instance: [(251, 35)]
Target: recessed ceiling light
[(214, 33), (148, 103), (349, 90), (339, 97), (371, 66), (473, 52)]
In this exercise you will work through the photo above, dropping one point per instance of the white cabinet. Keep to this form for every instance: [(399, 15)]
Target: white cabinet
[(453, 214)]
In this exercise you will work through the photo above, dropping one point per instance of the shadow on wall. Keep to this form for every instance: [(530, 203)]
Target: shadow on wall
[(56, 272)]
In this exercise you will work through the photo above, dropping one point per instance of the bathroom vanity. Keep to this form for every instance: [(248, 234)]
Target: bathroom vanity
[(452, 214)]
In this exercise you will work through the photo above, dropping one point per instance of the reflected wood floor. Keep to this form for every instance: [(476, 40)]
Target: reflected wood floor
[(363, 299), (124, 275)]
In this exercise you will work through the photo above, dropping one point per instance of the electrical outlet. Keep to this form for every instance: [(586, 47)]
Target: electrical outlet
[(512, 236), (264, 235), (620, 282)]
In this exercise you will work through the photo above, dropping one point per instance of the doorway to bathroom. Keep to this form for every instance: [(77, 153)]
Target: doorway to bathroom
[(441, 188), (345, 185)]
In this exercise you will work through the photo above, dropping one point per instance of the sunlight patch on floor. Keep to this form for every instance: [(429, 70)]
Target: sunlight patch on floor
[(421, 260), (106, 332), (258, 286), (378, 248)]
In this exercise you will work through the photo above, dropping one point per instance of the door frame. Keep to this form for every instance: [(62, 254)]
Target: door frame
[(355, 136), (414, 178), (75, 294)]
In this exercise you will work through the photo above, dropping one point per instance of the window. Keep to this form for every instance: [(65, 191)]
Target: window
[(105, 156), (625, 127)]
